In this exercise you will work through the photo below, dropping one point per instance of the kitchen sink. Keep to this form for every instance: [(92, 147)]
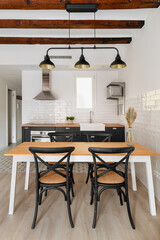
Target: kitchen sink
[(92, 127)]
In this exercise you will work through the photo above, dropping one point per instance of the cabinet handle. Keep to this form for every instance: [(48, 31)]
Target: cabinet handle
[(67, 128), (26, 128), (114, 128), (92, 136)]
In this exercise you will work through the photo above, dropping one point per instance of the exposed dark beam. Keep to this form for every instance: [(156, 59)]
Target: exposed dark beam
[(60, 4), (79, 24), (29, 40)]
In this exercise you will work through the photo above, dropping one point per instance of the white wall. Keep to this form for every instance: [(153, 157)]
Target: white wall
[(142, 56), (142, 77), (63, 87), (3, 108)]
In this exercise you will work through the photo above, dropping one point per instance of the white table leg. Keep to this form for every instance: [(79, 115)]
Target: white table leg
[(27, 175), (13, 188), (151, 196), (133, 175)]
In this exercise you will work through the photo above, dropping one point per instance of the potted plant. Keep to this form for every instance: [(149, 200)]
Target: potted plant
[(70, 119)]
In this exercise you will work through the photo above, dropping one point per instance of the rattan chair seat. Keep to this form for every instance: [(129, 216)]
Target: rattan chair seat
[(52, 177), (110, 178)]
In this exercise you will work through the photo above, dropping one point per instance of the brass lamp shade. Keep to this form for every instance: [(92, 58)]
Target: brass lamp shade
[(118, 63), (82, 63), (46, 63)]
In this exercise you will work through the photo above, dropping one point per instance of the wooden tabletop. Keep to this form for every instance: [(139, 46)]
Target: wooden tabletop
[(67, 125), (81, 148)]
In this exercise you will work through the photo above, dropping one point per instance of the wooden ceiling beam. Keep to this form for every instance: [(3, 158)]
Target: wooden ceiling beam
[(74, 24), (60, 4), (29, 40)]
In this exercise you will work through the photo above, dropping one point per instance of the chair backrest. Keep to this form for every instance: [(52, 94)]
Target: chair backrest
[(100, 137), (66, 153), (126, 151), (55, 137)]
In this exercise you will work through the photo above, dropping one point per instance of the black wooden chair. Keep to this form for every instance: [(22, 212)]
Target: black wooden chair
[(98, 137), (94, 137), (62, 137), (52, 177), (110, 178)]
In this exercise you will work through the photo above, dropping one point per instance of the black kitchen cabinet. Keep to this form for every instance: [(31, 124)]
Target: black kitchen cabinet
[(26, 134), (74, 130), (118, 133)]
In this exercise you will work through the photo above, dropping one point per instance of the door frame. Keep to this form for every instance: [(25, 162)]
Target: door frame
[(14, 131)]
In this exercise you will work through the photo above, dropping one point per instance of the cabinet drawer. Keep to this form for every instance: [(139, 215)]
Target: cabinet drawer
[(68, 129), (43, 129)]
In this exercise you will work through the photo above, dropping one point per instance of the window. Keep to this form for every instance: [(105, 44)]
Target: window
[(84, 92)]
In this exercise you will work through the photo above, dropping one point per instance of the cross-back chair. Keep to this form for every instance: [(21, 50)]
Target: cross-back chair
[(55, 136), (100, 137), (52, 177), (67, 137), (92, 137), (110, 177)]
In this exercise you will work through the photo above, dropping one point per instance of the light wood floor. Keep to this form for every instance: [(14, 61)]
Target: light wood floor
[(53, 223)]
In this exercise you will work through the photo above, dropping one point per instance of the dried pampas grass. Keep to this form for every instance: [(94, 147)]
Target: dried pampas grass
[(131, 115)]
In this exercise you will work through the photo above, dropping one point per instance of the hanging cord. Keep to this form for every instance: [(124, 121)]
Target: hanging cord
[(94, 30), (69, 32), (82, 51)]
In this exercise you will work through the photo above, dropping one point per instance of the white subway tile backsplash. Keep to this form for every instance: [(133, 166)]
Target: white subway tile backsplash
[(56, 111), (147, 129)]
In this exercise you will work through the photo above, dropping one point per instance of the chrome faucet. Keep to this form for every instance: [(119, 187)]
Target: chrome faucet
[(91, 114)]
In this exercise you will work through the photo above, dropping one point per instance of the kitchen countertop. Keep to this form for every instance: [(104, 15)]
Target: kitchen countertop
[(67, 125)]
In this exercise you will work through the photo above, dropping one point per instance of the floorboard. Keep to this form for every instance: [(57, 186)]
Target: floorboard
[(53, 223)]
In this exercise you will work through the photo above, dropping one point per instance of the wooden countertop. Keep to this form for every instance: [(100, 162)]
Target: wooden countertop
[(67, 125), (81, 148)]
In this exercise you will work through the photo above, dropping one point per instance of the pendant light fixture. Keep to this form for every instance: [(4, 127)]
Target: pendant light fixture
[(118, 63), (46, 63), (82, 63)]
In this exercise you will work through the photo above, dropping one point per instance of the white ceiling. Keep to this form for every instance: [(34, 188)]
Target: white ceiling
[(13, 72), (131, 14), (65, 32)]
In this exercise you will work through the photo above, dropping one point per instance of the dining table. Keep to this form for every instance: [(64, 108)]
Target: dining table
[(141, 154)]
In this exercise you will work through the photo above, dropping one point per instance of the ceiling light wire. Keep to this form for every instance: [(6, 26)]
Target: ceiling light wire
[(94, 30), (69, 32)]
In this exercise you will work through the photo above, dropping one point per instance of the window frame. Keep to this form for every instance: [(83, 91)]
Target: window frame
[(86, 75)]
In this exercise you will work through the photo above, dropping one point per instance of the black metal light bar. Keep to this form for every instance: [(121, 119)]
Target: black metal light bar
[(69, 48), (117, 63), (88, 7)]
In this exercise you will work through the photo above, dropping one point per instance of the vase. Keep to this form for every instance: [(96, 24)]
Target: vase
[(69, 121), (130, 137)]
